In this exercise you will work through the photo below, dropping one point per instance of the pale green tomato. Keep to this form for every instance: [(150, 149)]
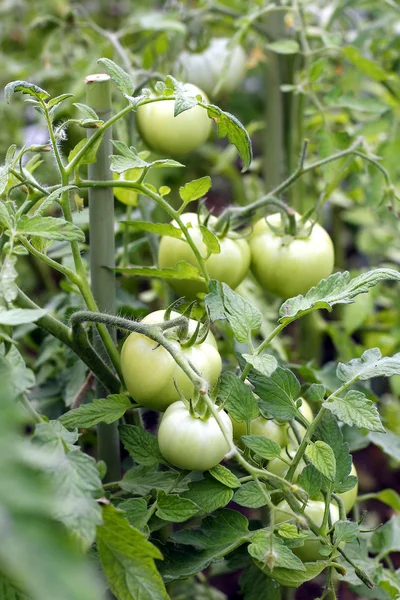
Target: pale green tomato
[(124, 195), (287, 266), (349, 498), (189, 443), (315, 510), (280, 468), (259, 426), (152, 376), (175, 136), (229, 266), (218, 70)]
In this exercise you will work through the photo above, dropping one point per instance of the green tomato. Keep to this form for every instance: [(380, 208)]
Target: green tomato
[(349, 498), (190, 443), (315, 510), (259, 426), (218, 70), (229, 266), (124, 195), (151, 374), (287, 266), (175, 136)]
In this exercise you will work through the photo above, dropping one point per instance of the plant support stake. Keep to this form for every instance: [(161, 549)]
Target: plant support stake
[(102, 252)]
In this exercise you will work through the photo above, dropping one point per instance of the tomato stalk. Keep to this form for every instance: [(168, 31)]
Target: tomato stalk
[(102, 254)]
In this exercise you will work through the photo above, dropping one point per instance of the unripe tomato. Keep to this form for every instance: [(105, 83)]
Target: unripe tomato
[(288, 266), (189, 443), (125, 195), (175, 136), (259, 426), (315, 510), (151, 374), (218, 68), (230, 265), (349, 498)]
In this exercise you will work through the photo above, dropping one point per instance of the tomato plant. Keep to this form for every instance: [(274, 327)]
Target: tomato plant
[(285, 265), (152, 376), (176, 136), (229, 265), (191, 443)]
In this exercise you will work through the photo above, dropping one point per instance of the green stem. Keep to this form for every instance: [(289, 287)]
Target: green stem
[(102, 255), (34, 415), (274, 155), (50, 262)]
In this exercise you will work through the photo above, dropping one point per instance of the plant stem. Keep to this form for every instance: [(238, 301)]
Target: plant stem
[(102, 254)]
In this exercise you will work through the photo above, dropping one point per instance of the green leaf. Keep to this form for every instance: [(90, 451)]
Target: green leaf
[(174, 508), (237, 398), (9, 592), (141, 481), (364, 65), (128, 558), (315, 393), (256, 585), (224, 526), (183, 271), (224, 303), (210, 240), (89, 156), (317, 69), (355, 409), (102, 410), (250, 495), (158, 228), (279, 391), (336, 289), (225, 476), (264, 363), (389, 497), (283, 557), (76, 478), (262, 446), (310, 480), (25, 88), (141, 445), (322, 457), (284, 47), (194, 189), (136, 510), (208, 494), (20, 316), (295, 578), (130, 160), (388, 442), (229, 125), (329, 432), (54, 197), (386, 539), (371, 364), (122, 80), (346, 531), (87, 111), (50, 228)]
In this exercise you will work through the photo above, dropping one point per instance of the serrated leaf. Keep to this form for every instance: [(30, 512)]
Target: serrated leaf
[(20, 316), (346, 531), (135, 510), (322, 457), (295, 578), (225, 476), (237, 398), (217, 531), (87, 111), (141, 445), (229, 125), (174, 508), (388, 442), (284, 47), (142, 480), (355, 409), (58, 99), (209, 494), (339, 288), (210, 240), (290, 531), (128, 558), (158, 228), (122, 80), (264, 363), (262, 446), (25, 88), (250, 495), (53, 197), (329, 432), (278, 392), (254, 585), (193, 190), (101, 410), (371, 364), (364, 65), (315, 393), (310, 479), (282, 555), (183, 102), (129, 160), (50, 228), (223, 303), (183, 271)]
